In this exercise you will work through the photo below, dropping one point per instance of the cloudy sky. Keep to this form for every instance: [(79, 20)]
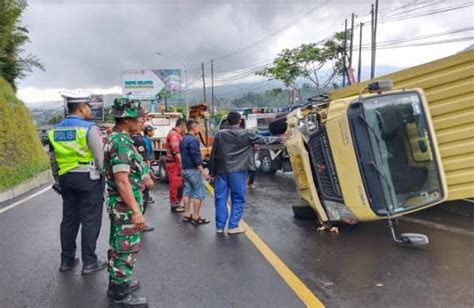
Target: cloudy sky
[(85, 44)]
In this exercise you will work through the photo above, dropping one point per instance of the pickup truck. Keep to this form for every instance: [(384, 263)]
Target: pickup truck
[(163, 122)]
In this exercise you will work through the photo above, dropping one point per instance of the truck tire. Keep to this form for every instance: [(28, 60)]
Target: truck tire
[(278, 126), (266, 164), (162, 174), (304, 212)]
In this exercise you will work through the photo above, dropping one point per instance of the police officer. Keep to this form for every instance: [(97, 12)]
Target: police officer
[(125, 171), (77, 161)]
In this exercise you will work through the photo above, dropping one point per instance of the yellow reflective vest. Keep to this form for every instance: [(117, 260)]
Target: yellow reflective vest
[(69, 141)]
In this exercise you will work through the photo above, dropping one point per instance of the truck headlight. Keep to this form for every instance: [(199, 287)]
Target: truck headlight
[(339, 212), (309, 125)]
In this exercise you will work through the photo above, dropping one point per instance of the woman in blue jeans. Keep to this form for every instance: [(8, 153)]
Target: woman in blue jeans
[(192, 175)]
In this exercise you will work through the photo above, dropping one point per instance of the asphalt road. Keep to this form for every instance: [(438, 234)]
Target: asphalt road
[(185, 266)]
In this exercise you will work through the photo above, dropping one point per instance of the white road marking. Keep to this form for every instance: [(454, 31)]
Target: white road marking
[(439, 226), (3, 210)]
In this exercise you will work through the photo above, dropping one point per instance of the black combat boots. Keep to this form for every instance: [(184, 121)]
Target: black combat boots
[(121, 295)]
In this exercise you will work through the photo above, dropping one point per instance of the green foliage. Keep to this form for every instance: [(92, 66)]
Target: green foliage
[(275, 92), (306, 63), (14, 64), (219, 115), (182, 110), (21, 153), (272, 98), (55, 119)]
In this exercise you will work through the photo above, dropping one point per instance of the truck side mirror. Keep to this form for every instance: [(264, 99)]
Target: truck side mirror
[(414, 239)]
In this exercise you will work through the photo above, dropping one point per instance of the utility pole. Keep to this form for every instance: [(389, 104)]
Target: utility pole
[(375, 30), (374, 13), (212, 87), (203, 83), (359, 65), (352, 41), (344, 55), (372, 21)]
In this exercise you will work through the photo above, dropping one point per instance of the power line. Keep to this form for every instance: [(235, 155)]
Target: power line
[(428, 13), (233, 53), (420, 37), (445, 41), (389, 17), (417, 6), (455, 40)]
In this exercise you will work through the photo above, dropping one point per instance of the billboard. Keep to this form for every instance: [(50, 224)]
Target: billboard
[(97, 107), (147, 84)]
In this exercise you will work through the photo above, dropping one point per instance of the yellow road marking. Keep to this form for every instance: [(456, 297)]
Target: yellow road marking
[(300, 289)]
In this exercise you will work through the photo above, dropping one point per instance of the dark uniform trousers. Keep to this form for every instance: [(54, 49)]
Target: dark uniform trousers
[(83, 200)]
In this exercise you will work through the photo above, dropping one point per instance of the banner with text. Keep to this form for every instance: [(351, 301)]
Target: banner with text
[(147, 84)]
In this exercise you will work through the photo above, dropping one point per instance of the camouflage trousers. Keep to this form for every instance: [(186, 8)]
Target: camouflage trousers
[(124, 244)]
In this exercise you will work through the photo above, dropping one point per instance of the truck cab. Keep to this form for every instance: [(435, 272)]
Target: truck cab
[(366, 157)]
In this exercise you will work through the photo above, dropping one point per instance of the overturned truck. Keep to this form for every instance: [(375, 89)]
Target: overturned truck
[(373, 151)]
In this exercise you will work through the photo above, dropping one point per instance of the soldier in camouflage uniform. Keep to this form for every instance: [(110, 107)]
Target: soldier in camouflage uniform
[(125, 171)]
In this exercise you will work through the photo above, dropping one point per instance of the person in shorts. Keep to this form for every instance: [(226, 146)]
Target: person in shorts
[(192, 174)]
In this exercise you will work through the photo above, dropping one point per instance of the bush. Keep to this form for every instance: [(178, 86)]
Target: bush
[(21, 154)]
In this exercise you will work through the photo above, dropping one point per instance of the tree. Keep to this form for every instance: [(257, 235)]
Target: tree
[(55, 119), (14, 64), (306, 63)]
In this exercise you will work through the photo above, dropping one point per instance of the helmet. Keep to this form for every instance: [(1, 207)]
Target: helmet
[(127, 108)]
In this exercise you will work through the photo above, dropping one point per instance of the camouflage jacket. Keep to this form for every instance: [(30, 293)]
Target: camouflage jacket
[(120, 155)]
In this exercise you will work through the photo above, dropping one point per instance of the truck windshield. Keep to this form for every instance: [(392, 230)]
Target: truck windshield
[(403, 152)]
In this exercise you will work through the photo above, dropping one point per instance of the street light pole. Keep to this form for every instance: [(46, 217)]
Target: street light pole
[(185, 77)]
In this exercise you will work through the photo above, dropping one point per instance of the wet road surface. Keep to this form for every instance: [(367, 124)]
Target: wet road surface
[(362, 266), (185, 266)]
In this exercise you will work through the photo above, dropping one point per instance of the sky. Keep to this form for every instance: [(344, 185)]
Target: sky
[(86, 44)]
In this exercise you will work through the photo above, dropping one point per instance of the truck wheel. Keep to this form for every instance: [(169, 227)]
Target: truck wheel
[(304, 212), (266, 164), (162, 174), (278, 126)]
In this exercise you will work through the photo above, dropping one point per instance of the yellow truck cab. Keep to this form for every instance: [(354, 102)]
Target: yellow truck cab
[(366, 157), (361, 156)]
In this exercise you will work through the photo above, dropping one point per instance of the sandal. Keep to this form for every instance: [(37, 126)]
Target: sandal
[(200, 221), (187, 218)]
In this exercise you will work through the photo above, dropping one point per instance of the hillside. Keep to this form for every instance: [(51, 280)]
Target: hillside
[(22, 155)]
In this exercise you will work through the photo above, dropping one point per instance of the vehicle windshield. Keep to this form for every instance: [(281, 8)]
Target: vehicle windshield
[(403, 151)]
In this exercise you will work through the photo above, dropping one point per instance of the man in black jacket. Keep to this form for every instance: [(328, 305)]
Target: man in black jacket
[(231, 157)]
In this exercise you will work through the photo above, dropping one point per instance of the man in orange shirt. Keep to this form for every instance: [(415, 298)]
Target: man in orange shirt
[(173, 165)]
